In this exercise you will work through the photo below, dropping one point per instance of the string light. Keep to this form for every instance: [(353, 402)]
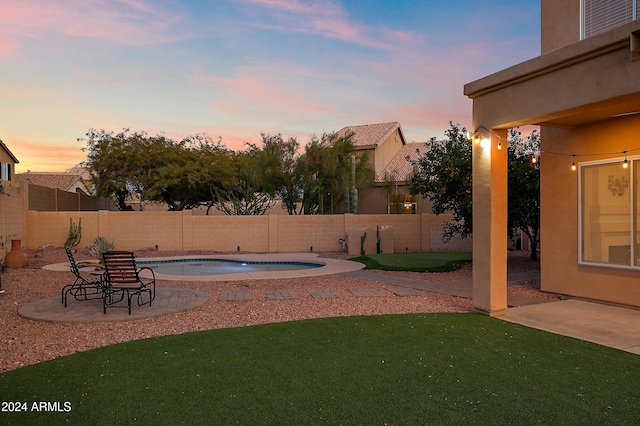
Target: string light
[(625, 162), (534, 157), (486, 142)]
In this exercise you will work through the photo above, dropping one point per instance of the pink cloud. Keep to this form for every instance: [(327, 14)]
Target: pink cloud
[(88, 75), (324, 7), (251, 90), (8, 46), (329, 19), (135, 22)]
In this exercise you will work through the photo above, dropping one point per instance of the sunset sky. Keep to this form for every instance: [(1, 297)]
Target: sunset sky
[(238, 68)]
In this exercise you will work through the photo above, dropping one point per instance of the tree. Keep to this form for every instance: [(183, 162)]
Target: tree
[(444, 172), (110, 160), (249, 193), (324, 172), (180, 174), (279, 165), (212, 170), (196, 171), (443, 175), (524, 187)]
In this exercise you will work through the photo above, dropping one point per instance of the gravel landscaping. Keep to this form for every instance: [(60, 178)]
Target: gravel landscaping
[(24, 341)]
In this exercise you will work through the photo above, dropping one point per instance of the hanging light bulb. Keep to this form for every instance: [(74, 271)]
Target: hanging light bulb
[(499, 145), (534, 159), (573, 164), (625, 163)]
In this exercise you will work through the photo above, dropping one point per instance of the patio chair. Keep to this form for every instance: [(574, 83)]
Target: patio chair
[(86, 286), (122, 279)]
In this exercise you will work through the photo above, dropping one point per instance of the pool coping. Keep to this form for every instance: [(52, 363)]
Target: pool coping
[(330, 266)]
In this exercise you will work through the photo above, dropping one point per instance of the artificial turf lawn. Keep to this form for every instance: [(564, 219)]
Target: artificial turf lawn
[(416, 262), (411, 369)]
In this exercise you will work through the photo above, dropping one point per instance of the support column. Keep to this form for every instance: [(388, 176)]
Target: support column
[(490, 222)]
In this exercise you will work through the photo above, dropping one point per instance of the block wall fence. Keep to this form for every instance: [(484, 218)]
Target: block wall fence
[(264, 234), (186, 230)]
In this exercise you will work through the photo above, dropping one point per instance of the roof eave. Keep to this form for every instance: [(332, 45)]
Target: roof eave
[(13, 157)]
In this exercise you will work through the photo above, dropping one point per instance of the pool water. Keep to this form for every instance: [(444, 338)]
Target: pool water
[(200, 267)]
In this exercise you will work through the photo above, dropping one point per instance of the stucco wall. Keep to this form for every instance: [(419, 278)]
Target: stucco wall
[(566, 87), (560, 272), (560, 24), (387, 150), (375, 200), (271, 233), (12, 218)]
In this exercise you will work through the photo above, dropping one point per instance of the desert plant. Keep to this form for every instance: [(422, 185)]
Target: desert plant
[(100, 246), (75, 233)]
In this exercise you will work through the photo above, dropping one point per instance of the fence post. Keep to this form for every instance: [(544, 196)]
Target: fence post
[(272, 235), (103, 224), (187, 230), (425, 232)]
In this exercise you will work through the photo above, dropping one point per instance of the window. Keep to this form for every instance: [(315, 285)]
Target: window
[(402, 204), (599, 16), (609, 220), (5, 171)]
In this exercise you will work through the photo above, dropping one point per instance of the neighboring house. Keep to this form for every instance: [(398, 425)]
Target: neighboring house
[(8, 162), (387, 149), (67, 181), (584, 93)]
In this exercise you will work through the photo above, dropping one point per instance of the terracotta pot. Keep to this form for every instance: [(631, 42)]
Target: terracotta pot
[(16, 257)]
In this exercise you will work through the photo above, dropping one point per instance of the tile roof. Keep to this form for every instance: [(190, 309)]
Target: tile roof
[(62, 181), (83, 172), (400, 168), (370, 134)]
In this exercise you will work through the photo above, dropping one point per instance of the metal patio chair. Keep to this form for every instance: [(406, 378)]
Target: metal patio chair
[(87, 286), (122, 280)]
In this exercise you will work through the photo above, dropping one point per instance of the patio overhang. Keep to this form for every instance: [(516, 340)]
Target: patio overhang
[(590, 81)]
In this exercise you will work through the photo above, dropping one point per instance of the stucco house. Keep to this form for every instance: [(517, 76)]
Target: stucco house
[(8, 163), (387, 150), (584, 93)]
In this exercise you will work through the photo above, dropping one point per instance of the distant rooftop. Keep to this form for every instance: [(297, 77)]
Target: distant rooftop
[(369, 134), (400, 168), (62, 181)]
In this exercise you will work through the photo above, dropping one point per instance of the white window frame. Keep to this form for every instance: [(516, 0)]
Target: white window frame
[(635, 14), (633, 228), (5, 171)]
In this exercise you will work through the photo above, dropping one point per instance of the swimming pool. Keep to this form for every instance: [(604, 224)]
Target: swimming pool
[(196, 267), (313, 266)]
